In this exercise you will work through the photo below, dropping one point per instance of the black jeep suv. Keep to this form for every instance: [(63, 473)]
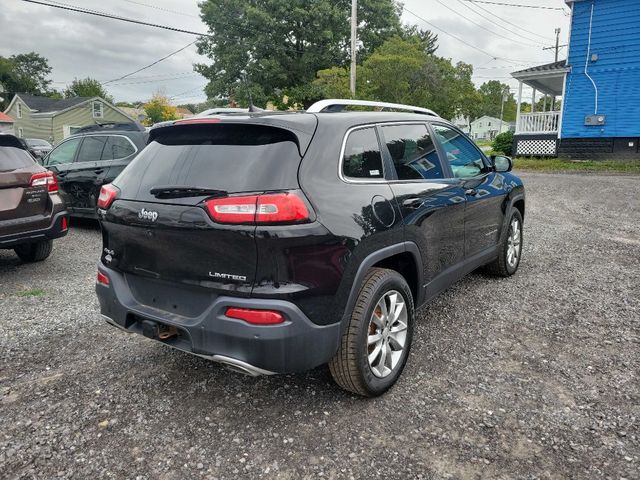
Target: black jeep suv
[(278, 242)]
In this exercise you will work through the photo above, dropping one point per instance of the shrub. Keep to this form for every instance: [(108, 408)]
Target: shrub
[(503, 143)]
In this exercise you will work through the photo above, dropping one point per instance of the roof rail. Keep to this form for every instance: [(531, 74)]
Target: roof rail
[(338, 105)]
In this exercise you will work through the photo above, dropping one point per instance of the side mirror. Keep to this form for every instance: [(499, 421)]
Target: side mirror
[(502, 164)]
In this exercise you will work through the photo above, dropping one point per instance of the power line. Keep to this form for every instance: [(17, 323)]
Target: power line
[(517, 62), (547, 39), (160, 8), (486, 29), (150, 65), (516, 5), (64, 6)]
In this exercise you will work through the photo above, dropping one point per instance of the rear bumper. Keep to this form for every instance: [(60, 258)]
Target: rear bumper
[(54, 230), (294, 346)]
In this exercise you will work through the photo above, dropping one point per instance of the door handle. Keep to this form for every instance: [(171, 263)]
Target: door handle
[(99, 171), (412, 202), (472, 192)]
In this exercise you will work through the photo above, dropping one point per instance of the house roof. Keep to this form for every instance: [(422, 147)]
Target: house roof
[(547, 67), (547, 78), (183, 111), (4, 118), (46, 105), (487, 117)]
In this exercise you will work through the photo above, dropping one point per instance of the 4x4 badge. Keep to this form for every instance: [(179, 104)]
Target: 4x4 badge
[(148, 215)]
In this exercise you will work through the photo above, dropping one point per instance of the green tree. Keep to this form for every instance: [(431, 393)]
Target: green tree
[(159, 109), (491, 93), (427, 37), (24, 73), (87, 87), (272, 46), (402, 71)]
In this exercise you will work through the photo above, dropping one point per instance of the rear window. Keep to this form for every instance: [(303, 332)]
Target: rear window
[(235, 158), (13, 158)]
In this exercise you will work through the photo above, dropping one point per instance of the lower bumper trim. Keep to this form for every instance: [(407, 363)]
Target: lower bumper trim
[(231, 363)]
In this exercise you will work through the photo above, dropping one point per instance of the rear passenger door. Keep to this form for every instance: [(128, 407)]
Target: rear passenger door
[(483, 188), (431, 203), (84, 173), (117, 154)]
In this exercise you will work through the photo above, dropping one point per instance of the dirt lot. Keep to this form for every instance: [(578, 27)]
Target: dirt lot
[(532, 377)]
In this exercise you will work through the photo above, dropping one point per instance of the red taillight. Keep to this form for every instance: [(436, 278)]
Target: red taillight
[(285, 207), (108, 194), (44, 178), (64, 224), (102, 279), (255, 317)]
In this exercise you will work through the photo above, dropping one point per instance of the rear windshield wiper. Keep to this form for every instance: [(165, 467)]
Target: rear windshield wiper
[(180, 191)]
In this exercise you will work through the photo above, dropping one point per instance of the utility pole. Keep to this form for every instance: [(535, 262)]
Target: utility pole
[(505, 97), (354, 43), (557, 46)]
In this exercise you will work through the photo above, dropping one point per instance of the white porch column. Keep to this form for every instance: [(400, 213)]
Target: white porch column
[(519, 106), (533, 101)]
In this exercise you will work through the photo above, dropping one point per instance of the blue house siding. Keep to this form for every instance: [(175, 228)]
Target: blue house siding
[(616, 40)]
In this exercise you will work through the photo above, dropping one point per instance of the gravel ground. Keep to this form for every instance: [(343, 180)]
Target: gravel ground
[(531, 377)]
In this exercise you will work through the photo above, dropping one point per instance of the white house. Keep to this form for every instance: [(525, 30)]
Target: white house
[(487, 128), (462, 123)]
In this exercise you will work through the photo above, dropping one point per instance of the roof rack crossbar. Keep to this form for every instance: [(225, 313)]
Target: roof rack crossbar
[(338, 105)]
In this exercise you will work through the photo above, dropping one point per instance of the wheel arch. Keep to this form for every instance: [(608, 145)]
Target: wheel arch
[(404, 258)]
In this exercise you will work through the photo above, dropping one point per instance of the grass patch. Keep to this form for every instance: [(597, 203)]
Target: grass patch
[(34, 292), (563, 165)]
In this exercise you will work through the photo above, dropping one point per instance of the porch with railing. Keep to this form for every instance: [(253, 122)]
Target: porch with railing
[(538, 123)]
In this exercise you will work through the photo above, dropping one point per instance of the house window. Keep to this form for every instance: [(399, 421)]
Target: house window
[(97, 110), (19, 107), (489, 124)]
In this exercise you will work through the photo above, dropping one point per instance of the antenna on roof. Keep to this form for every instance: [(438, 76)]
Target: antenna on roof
[(252, 107)]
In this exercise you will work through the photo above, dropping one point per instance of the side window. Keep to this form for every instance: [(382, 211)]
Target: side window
[(463, 156), (91, 149), (413, 152), (64, 152), (362, 158), (116, 148)]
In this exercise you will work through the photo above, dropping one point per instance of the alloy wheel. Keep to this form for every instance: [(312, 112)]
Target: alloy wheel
[(514, 243), (387, 334)]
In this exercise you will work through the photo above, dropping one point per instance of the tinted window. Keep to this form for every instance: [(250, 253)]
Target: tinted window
[(64, 152), (362, 157), (413, 152), (91, 149), (12, 158), (117, 147), (235, 158), (463, 156)]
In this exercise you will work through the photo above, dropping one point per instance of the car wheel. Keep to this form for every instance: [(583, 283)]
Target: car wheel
[(510, 251), (375, 345), (34, 252)]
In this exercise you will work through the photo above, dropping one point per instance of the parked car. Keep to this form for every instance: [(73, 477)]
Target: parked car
[(90, 158), (38, 147), (278, 242), (32, 214)]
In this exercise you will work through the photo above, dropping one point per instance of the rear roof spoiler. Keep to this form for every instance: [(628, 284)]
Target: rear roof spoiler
[(338, 105)]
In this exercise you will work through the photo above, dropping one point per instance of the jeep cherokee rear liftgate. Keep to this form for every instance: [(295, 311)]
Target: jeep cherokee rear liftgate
[(180, 221)]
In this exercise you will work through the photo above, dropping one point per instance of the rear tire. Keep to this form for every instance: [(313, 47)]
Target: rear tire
[(34, 252), (376, 343), (510, 251)]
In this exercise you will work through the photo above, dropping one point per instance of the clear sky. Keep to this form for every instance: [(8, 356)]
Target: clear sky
[(80, 45)]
